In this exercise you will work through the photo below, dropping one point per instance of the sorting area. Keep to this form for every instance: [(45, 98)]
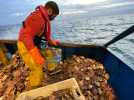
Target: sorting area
[(90, 74)]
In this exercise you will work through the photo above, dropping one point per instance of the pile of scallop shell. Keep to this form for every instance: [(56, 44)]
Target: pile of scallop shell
[(13, 78), (89, 73)]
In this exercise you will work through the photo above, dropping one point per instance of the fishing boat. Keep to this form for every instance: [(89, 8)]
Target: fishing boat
[(121, 74)]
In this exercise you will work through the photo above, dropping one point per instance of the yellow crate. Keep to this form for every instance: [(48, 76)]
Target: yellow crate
[(50, 89)]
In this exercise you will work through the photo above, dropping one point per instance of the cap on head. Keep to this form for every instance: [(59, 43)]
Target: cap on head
[(52, 5)]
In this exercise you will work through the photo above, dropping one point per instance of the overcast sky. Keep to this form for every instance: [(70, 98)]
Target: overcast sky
[(14, 11)]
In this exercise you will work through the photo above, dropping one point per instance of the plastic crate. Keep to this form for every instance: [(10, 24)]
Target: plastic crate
[(50, 89)]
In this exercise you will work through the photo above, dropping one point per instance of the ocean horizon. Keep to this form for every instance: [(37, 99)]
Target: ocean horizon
[(85, 29)]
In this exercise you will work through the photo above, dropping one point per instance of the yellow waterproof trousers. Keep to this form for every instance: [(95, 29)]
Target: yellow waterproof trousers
[(36, 70)]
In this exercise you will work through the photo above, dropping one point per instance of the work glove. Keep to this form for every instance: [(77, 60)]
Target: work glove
[(53, 42)]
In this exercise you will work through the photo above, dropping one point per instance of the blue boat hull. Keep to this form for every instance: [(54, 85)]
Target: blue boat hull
[(121, 75)]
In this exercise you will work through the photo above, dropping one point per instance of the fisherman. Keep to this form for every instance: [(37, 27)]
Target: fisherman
[(36, 25)]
